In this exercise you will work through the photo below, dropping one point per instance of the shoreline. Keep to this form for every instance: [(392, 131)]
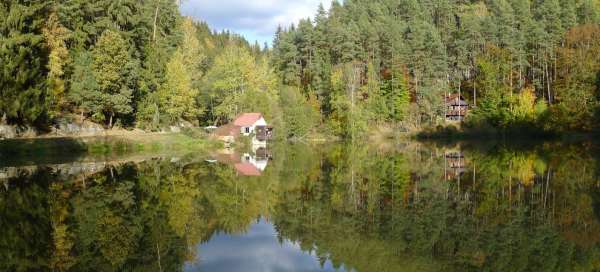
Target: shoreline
[(36, 149)]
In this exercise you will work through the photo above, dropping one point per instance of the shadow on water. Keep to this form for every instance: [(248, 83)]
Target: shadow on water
[(14, 152), (53, 151), (408, 206)]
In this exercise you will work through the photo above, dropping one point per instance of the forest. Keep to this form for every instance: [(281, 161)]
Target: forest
[(521, 65)]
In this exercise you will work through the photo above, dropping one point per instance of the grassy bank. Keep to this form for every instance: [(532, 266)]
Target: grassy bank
[(67, 149)]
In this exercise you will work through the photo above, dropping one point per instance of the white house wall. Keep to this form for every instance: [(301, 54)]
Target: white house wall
[(260, 122)]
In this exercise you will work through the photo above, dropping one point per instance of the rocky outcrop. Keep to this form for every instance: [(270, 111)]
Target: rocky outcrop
[(65, 128), (62, 170), (8, 132)]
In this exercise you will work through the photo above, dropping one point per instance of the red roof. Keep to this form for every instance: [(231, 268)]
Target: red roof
[(227, 130), (247, 169), (225, 158), (247, 119)]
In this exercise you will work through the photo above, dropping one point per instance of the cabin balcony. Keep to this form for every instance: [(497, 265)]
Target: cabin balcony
[(263, 133)]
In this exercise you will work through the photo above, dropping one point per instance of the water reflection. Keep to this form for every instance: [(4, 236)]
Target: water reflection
[(252, 163), (410, 207), (258, 249)]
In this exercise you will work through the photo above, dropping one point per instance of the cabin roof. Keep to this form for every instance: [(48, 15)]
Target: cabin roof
[(247, 169), (456, 100), (247, 119), (227, 130), (225, 158)]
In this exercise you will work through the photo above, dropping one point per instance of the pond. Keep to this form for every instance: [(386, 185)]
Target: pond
[(401, 206)]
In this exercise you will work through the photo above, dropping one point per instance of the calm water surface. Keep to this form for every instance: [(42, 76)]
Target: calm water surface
[(339, 207), (258, 249)]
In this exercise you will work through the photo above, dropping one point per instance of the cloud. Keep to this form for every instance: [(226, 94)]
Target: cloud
[(257, 250), (255, 19)]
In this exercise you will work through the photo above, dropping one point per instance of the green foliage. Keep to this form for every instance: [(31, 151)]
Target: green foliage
[(56, 36), (125, 59), (510, 112), (179, 93), (238, 82), (348, 118), (24, 57), (115, 73), (405, 206), (177, 96), (485, 50), (299, 116), (396, 94), (106, 60), (84, 88)]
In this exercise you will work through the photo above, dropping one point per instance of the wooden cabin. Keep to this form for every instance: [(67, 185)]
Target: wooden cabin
[(455, 164), (456, 107)]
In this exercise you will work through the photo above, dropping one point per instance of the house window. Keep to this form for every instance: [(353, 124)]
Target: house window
[(247, 130)]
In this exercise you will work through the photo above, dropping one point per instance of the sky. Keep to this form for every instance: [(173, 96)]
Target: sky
[(257, 20), (258, 249)]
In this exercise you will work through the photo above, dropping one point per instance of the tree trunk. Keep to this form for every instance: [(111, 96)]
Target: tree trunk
[(510, 75), (548, 81), (520, 76), (445, 107), (155, 21), (459, 99), (158, 255), (475, 94), (532, 68), (110, 122)]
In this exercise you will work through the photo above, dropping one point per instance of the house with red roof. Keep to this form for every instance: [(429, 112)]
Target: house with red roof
[(246, 124), (247, 169), (248, 164)]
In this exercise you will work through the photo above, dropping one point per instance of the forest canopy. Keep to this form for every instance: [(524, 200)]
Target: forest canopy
[(531, 64), (518, 63)]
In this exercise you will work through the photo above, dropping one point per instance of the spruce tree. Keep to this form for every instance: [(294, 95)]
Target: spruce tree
[(24, 59), (84, 93)]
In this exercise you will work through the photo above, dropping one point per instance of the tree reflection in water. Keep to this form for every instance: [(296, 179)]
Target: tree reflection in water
[(413, 207)]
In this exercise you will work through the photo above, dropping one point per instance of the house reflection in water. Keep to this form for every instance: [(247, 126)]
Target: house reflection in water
[(248, 164), (455, 165)]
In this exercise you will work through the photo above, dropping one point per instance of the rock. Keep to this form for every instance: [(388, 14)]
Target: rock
[(27, 132), (69, 128), (7, 132), (63, 127)]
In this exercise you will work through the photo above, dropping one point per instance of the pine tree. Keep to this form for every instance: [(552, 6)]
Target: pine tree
[(589, 12), (568, 14), (288, 60)]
